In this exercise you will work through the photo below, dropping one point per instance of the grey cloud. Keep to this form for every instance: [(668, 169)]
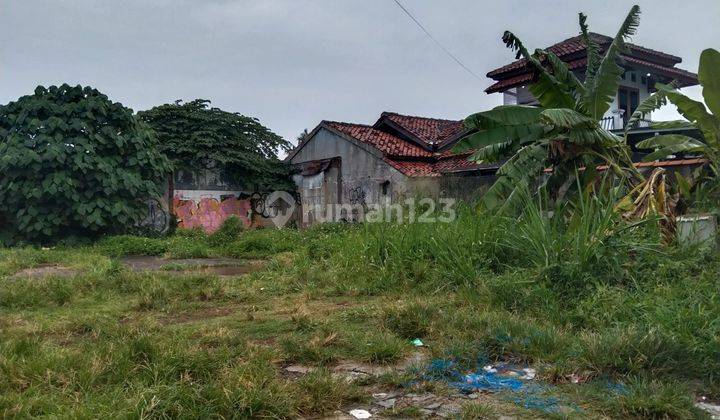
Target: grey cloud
[(292, 63)]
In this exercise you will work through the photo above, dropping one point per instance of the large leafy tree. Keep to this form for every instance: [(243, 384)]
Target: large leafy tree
[(74, 163), (194, 135), (562, 134), (707, 120)]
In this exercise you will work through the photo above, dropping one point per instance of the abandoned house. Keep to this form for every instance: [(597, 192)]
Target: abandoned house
[(400, 156), (397, 157)]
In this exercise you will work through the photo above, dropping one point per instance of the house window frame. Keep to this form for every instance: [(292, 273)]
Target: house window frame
[(627, 113)]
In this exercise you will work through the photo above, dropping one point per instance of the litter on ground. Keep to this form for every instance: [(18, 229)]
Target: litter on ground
[(360, 414), (519, 382)]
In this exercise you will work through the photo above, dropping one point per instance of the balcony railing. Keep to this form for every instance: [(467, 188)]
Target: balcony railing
[(608, 123), (617, 122)]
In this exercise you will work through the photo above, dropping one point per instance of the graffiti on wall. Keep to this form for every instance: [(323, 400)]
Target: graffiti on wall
[(357, 196), (156, 219), (209, 213), (266, 209)]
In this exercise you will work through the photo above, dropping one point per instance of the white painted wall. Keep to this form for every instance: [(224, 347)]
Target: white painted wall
[(197, 195)]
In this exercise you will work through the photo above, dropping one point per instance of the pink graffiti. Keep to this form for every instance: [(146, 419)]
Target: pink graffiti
[(209, 213)]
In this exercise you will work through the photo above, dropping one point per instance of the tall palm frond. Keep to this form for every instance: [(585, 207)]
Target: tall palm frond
[(549, 144), (593, 51), (705, 119), (602, 86)]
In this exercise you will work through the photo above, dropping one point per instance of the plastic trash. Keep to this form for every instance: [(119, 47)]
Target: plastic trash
[(417, 342), (529, 373), (360, 414), (489, 382)]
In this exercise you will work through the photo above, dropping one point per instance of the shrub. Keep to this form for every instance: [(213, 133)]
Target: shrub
[(122, 245), (73, 163), (229, 231), (261, 243)]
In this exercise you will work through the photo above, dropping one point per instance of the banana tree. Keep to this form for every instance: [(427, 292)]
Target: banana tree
[(562, 134), (707, 120)]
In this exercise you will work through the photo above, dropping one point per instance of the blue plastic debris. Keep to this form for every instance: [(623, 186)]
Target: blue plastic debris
[(488, 381), (497, 378)]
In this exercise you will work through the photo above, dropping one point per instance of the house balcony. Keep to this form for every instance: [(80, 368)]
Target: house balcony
[(617, 121)]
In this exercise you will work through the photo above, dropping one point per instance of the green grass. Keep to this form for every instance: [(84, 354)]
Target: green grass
[(582, 295)]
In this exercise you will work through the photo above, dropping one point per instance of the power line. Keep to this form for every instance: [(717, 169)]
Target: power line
[(442, 47)]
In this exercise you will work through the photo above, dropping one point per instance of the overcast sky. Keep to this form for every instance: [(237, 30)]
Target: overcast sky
[(293, 63)]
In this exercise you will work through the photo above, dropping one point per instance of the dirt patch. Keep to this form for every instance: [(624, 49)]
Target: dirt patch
[(43, 271), (199, 315), (226, 267)]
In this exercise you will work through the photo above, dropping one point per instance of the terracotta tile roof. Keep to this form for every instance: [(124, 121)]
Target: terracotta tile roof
[(385, 142), (510, 83), (406, 156), (431, 131), (413, 167), (460, 163), (686, 78), (561, 49), (525, 78), (443, 165), (572, 50)]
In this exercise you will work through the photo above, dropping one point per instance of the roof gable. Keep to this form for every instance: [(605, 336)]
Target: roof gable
[(385, 142), (415, 146), (430, 133)]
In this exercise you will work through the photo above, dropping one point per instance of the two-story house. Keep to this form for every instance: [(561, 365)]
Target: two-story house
[(643, 68)]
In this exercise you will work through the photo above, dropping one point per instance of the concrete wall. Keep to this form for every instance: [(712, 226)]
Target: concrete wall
[(465, 187), (204, 198)]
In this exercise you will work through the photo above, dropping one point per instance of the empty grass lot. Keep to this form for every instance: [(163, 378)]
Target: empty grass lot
[(634, 322)]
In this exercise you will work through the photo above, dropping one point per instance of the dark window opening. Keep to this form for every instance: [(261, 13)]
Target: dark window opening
[(628, 99), (633, 77), (384, 187)]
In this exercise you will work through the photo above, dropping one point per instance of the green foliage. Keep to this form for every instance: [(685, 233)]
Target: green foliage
[(73, 163), (707, 120), (601, 85), (260, 243), (563, 133), (651, 399), (229, 231), (125, 245), (194, 135)]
